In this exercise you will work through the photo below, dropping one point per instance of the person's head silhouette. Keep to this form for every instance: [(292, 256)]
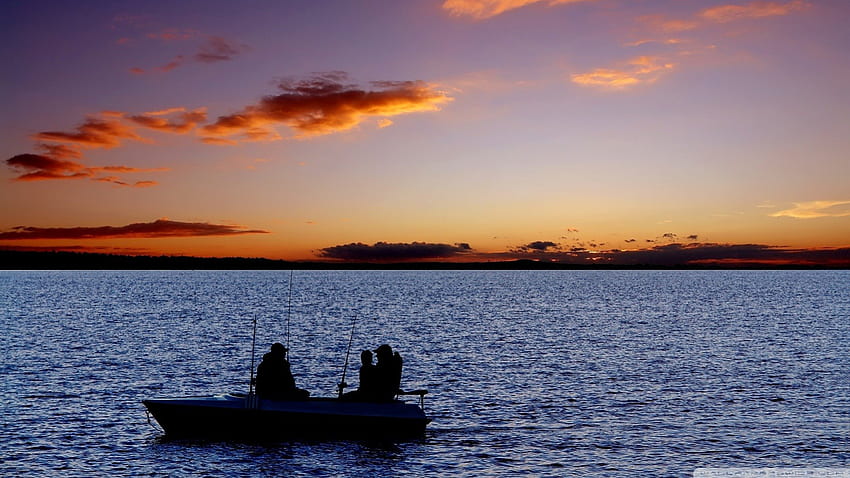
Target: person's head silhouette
[(384, 352), (278, 349), (366, 357)]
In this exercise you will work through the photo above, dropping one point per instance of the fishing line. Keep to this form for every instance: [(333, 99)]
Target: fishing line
[(342, 384), (289, 311), (253, 348)]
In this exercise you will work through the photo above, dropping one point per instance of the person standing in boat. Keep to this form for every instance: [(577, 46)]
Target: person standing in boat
[(388, 373), (274, 377)]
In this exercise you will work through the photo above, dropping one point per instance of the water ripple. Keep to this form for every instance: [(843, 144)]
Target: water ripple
[(632, 373)]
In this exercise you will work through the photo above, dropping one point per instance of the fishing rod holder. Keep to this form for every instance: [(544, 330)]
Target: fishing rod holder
[(421, 394), (252, 401)]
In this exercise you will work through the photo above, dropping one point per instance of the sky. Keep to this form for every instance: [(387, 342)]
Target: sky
[(577, 131)]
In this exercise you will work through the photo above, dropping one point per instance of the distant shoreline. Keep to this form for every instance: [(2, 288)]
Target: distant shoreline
[(62, 260)]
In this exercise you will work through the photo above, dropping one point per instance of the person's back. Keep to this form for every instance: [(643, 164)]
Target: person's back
[(274, 377), (367, 390), (388, 372), (266, 384), (369, 382)]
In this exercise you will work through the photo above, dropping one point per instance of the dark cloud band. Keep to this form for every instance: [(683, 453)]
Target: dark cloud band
[(155, 229), (391, 252)]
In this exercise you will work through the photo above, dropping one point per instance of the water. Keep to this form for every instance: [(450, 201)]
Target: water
[(567, 373)]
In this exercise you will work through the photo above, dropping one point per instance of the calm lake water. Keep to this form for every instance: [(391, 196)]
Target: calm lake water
[(546, 373)]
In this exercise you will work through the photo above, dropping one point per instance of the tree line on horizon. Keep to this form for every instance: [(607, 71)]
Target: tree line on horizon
[(68, 260)]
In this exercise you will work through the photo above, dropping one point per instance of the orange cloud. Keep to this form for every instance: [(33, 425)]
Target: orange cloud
[(757, 9), (93, 133), (643, 69), (59, 151), (219, 141), (815, 209), (43, 167), (662, 23), (668, 41), (722, 14), (660, 26), (36, 167), (483, 9), (108, 130), (319, 105), (118, 182), (156, 229), (185, 120), (325, 104)]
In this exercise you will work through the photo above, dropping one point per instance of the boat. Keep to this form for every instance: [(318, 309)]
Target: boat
[(240, 416), (254, 416)]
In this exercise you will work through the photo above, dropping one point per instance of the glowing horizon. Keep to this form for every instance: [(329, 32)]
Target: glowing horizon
[(704, 130)]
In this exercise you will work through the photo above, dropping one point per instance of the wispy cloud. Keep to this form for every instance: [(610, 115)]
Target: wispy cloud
[(120, 182), (107, 130), (639, 70), (324, 104), (815, 209), (664, 24), (93, 133), (212, 49), (174, 34), (721, 14), (216, 49), (59, 151), (156, 229), (36, 167), (219, 141), (674, 42), (174, 120), (757, 9), (666, 41), (483, 9)]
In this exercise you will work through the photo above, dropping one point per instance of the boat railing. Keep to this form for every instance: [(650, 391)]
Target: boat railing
[(421, 394)]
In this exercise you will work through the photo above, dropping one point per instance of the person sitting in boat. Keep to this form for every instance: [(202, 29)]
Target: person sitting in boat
[(367, 390), (388, 373), (274, 377)]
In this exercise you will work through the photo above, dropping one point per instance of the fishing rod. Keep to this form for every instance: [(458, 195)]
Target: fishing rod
[(289, 310), (342, 383), (253, 348)]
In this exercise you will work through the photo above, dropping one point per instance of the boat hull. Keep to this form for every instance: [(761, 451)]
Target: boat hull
[(230, 416)]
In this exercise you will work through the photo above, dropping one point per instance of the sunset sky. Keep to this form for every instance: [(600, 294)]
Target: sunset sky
[(465, 130)]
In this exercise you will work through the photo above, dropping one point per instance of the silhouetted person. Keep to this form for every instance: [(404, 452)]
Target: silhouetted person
[(274, 377), (367, 391), (388, 372)]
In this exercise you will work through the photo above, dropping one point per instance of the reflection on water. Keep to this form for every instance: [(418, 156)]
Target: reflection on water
[(567, 373)]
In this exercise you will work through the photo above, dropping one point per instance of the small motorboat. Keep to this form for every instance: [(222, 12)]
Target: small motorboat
[(246, 417), (254, 416)]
